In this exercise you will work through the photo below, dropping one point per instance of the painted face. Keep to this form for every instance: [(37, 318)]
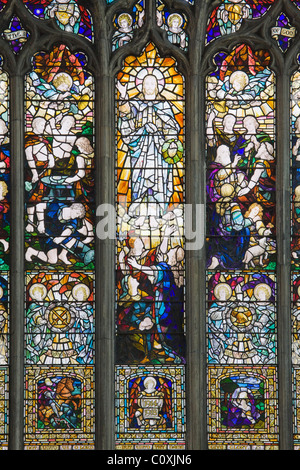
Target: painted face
[(229, 121), (124, 24), (223, 155), (150, 85), (251, 125), (138, 246), (174, 24), (38, 125), (239, 80), (254, 211)]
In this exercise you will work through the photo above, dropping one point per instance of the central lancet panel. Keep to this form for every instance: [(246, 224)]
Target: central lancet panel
[(150, 323)]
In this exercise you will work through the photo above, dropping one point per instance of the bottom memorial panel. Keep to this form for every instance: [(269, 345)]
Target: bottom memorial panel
[(59, 408), (296, 406), (150, 407), (4, 408), (242, 408)]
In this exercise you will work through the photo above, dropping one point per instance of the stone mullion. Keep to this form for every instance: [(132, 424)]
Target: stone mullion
[(195, 274), (196, 386), (104, 248), (16, 348), (105, 276), (283, 225)]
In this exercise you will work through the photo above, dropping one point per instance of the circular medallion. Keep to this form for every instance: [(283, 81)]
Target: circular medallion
[(60, 318)]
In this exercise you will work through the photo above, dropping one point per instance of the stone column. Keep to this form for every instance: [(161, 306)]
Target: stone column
[(16, 329)]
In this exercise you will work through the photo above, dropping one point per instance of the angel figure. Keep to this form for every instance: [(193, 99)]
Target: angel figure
[(150, 404)]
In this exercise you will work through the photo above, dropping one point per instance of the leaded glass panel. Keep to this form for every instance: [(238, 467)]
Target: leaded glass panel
[(147, 65), (228, 17), (5, 206), (59, 252), (69, 15), (241, 251), (150, 320)]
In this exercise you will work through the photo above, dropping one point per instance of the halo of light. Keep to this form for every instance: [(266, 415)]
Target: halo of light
[(150, 71), (81, 288), (222, 288), (38, 288), (262, 287), (62, 78), (126, 16), (175, 15)]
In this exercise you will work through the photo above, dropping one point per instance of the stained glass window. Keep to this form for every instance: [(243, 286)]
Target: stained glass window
[(174, 24), (125, 24), (5, 253), (228, 17), (59, 250), (172, 117), (69, 15), (241, 231), (295, 244), (283, 32), (16, 35), (150, 330)]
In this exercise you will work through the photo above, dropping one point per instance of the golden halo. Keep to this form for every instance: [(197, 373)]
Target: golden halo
[(81, 292), (125, 16), (241, 76), (62, 81), (175, 15), (150, 380), (38, 291), (150, 71), (262, 288), (222, 291)]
